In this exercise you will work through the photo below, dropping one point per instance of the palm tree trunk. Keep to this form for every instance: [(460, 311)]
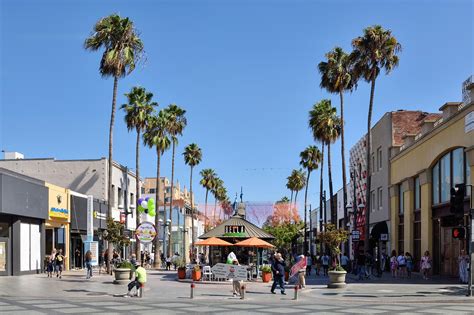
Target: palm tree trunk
[(305, 214), (137, 186), (157, 258), (171, 201), (321, 188), (331, 199), (344, 178), (192, 214), (290, 211), (214, 212), (110, 165), (369, 177), (205, 211)]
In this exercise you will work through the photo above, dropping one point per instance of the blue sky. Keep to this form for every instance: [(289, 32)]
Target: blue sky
[(245, 71)]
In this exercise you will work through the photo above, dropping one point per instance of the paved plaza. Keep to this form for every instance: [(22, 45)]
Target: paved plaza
[(36, 294)]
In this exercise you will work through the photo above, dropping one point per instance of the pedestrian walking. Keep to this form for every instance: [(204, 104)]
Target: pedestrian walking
[(345, 262), (325, 263), (236, 284), (309, 264), (59, 260), (139, 281), (394, 263), (369, 264), (77, 255), (402, 265), (361, 265), (51, 265), (463, 261), (302, 273), (426, 265), (168, 263), (410, 264), (88, 261), (278, 269), (317, 261)]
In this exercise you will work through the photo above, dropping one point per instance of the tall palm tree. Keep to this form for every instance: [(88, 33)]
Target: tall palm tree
[(336, 77), (123, 49), (299, 180), (208, 177), (221, 197), (215, 190), (137, 113), (290, 184), (176, 124), (192, 157), (156, 136), (375, 50), (325, 125), (310, 159)]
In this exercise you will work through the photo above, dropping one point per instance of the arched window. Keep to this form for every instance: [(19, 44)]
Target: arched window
[(451, 169)]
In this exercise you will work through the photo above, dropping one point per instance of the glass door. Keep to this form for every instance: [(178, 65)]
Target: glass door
[(3, 256)]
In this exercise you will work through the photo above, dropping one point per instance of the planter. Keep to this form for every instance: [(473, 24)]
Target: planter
[(196, 275), (266, 276), (181, 273), (337, 279), (287, 275), (122, 275)]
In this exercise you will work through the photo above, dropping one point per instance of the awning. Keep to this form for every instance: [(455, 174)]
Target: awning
[(254, 242), (213, 241)]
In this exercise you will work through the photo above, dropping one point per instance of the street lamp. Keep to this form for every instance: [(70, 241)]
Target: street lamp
[(164, 225), (184, 231)]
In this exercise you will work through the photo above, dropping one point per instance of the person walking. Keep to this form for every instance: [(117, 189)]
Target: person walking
[(88, 261), (236, 284), (463, 261), (394, 264), (317, 261), (278, 269), (369, 264), (140, 280), (426, 265), (51, 265), (309, 264), (59, 260), (325, 263), (361, 265), (410, 264), (402, 265), (168, 263), (302, 273), (77, 255), (345, 262)]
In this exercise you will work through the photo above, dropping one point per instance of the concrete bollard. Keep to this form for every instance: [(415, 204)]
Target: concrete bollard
[(192, 290), (242, 292), (296, 293)]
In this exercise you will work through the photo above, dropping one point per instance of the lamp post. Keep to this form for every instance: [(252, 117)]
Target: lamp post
[(164, 226), (184, 231)]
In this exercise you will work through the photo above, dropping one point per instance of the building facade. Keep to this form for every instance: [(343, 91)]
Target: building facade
[(427, 166)]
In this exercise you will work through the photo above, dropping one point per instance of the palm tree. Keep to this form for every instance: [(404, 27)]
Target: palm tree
[(192, 157), (215, 190), (310, 159), (336, 77), (156, 136), (375, 50), (176, 124), (291, 186), (325, 125), (208, 177), (299, 180), (137, 114), (123, 49)]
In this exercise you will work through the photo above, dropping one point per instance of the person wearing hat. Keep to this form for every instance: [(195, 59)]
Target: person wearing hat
[(278, 268), (140, 279)]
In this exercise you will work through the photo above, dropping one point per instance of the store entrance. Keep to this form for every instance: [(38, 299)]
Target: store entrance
[(450, 249), (4, 256)]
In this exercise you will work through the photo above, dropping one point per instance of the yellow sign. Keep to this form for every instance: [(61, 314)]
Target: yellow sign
[(59, 213)]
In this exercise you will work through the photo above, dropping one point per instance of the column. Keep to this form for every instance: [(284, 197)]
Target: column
[(408, 213), (394, 219), (426, 213)]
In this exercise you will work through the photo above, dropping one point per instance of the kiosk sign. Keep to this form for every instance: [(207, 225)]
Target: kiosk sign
[(145, 232)]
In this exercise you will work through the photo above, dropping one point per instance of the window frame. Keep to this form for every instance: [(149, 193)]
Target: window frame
[(438, 184)]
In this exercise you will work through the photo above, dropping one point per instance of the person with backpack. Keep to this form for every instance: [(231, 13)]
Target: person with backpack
[(59, 260)]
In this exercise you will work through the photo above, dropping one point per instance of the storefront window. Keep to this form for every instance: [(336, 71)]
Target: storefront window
[(436, 184), (458, 166), (445, 168)]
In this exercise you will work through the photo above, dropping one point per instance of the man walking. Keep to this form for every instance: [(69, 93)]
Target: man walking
[(278, 268)]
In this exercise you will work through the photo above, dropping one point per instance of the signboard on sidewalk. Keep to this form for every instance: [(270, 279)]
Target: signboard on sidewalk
[(235, 272), (93, 246)]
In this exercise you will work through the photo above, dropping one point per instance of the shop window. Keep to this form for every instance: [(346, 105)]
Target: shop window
[(417, 193), (451, 169), (152, 191), (436, 184), (379, 198), (445, 176)]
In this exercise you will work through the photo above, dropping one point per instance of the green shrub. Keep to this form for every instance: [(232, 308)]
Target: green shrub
[(126, 265), (266, 268)]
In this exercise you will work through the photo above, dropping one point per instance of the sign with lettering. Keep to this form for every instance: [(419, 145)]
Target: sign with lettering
[(58, 213), (93, 246), (225, 271), (145, 232), (355, 235)]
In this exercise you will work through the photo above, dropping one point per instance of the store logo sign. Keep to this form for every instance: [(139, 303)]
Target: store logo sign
[(59, 213)]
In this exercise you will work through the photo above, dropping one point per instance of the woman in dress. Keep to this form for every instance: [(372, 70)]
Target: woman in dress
[(410, 264), (463, 261), (426, 265), (394, 263)]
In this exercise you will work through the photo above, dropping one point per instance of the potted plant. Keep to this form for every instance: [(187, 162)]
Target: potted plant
[(333, 237), (181, 269), (196, 273), (266, 273), (123, 272)]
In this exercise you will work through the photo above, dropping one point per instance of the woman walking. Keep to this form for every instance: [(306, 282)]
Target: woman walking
[(393, 263), (409, 260), (51, 265), (89, 264), (463, 261), (426, 265)]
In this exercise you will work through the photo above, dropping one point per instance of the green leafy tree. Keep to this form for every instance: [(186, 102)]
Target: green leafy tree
[(115, 234), (374, 51), (309, 159), (192, 157), (333, 237), (285, 234), (176, 124), (156, 136), (336, 77), (137, 114), (325, 125)]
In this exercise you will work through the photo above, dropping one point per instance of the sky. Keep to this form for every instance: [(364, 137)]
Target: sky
[(244, 71)]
